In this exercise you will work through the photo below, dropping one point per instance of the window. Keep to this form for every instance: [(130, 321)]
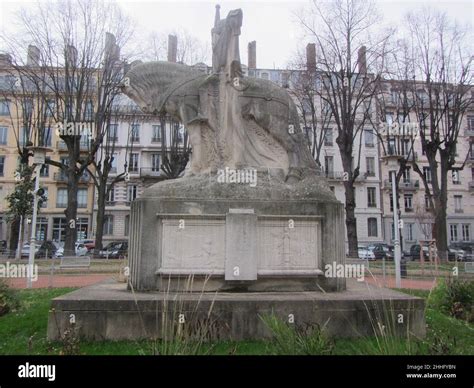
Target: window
[(328, 137), (4, 108), (112, 131), (82, 226), (390, 197), (89, 111), (41, 228), (408, 202), (329, 166), (391, 149), (392, 228), (44, 203), (466, 233), (456, 174), (82, 198), (264, 75), (108, 228), (389, 118), (406, 147), (372, 227), (46, 138), (406, 175), (155, 162), (332, 188), (408, 227), (370, 162), (470, 123), (471, 151), (2, 165), (133, 166), (132, 192), (61, 198), (59, 228), (369, 137), (50, 108), (394, 96), (44, 172), (458, 204), (135, 132), (453, 232), (110, 199), (427, 174), (126, 225), (371, 197), (427, 203), (3, 135), (156, 137)]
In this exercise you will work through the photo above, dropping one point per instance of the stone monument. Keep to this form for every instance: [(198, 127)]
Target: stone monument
[(251, 218), (251, 212)]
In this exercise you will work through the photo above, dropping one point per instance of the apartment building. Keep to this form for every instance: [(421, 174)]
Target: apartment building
[(51, 223)]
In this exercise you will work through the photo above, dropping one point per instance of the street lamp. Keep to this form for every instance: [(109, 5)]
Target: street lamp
[(39, 158), (393, 164)]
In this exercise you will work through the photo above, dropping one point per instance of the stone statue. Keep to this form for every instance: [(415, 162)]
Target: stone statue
[(232, 121)]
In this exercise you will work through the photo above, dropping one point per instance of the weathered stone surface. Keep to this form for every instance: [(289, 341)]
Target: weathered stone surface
[(109, 311)]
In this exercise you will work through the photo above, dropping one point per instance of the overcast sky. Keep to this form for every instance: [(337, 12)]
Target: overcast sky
[(270, 22)]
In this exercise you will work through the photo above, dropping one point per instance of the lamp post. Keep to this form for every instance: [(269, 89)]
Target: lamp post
[(39, 157), (393, 164)]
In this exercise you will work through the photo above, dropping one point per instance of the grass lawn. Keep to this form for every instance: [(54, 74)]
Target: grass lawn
[(24, 332)]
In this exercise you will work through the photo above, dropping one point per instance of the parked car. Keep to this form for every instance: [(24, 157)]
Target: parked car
[(48, 249), (365, 253), (115, 249), (80, 249), (414, 253), (88, 243), (25, 251), (382, 251), (463, 251)]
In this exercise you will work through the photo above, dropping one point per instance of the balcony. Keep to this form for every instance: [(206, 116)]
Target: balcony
[(403, 185), (343, 176), (150, 172), (61, 177), (61, 146)]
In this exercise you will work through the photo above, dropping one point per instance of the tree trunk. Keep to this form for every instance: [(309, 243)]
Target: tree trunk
[(351, 221), (14, 236), (99, 224), (71, 213)]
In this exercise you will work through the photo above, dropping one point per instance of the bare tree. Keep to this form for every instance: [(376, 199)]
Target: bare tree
[(76, 75), (443, 62), (341, 30)]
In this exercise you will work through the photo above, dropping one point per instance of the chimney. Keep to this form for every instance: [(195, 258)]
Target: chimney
[(362, 60), (172, 48), (252, 55), (33, 57), (311, 57), (71, 56), (5, 60)]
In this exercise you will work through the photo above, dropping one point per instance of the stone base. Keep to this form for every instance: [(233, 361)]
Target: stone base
[(269, 237), (108, 311)]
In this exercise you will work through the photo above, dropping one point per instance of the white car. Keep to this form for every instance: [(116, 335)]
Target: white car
[(365, 253), (81, 249)]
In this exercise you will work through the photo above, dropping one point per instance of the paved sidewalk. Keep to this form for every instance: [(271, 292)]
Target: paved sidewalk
[(418, 284), (57, 281)]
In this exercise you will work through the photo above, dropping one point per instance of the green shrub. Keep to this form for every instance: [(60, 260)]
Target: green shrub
[(8, 298), (292, 339), (455, 298)]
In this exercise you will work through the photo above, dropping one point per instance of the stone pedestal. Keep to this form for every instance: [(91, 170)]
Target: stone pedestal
[(196, 234)]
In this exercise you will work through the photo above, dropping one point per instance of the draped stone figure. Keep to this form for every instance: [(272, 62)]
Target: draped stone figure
[(233, 121)]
